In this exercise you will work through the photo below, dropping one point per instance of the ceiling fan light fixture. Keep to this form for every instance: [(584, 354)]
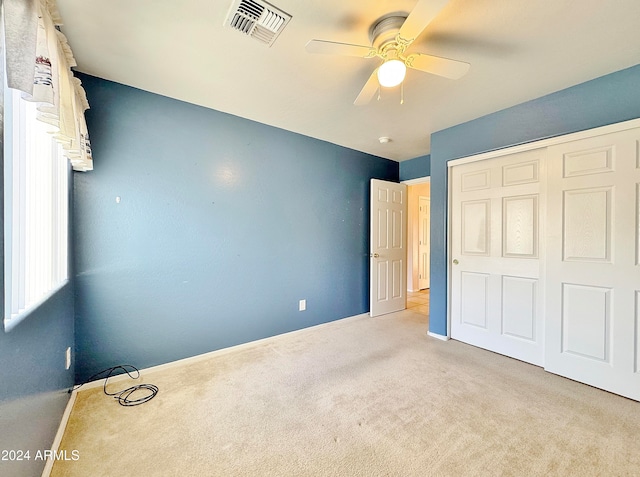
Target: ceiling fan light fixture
[(391, 73)]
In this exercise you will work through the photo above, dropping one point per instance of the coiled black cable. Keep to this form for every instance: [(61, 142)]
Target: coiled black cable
[(124, 396)]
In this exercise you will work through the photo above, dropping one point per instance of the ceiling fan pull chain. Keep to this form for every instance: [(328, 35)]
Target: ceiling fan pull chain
[(378, 93), (402, 93)]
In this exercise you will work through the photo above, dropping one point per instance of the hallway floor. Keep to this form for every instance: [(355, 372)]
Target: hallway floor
[(418, 301)]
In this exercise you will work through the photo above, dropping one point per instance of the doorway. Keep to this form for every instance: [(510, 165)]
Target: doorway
[(418, 243)]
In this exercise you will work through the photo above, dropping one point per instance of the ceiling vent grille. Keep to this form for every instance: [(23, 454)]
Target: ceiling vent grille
[(257, 19)]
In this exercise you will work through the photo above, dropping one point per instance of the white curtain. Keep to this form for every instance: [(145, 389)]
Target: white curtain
[(38, 62)]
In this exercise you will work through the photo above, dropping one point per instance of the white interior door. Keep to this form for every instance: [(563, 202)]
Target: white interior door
[(593, 284), (496, 297), (388, 257), (424, 244)]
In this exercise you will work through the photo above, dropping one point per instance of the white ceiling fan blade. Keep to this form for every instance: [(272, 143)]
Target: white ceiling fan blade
[(369, 89), (335, 48), (452, 69), (419, 18)]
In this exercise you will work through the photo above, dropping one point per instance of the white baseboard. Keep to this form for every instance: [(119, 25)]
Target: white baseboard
[(200, 357), (437, 336), (48, 467)]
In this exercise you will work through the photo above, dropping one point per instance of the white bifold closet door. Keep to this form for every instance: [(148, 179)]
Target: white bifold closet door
[(495, 255), (593, 256)]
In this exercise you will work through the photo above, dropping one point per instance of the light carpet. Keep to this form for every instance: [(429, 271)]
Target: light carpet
[(356, 397)]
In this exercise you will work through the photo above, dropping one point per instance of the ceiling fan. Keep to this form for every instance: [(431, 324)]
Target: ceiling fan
[(390, 37)]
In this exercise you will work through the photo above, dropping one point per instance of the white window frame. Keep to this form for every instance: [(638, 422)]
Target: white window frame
[(36, 211)]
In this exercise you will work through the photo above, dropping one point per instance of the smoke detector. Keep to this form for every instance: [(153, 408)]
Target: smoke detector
[(257, 19)]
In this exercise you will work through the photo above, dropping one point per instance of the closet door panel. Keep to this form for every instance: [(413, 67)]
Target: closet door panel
[(593, 277), (496, 299)]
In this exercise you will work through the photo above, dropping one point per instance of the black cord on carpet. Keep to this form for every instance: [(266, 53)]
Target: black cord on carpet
[(124, 397)]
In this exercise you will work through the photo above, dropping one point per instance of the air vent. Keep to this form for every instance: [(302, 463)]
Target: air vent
[(257, 19)]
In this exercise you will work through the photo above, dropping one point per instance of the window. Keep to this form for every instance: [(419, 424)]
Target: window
[(36, 210)]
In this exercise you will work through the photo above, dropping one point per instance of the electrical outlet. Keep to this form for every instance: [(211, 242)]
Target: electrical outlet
[(302, 305), (68, 358)]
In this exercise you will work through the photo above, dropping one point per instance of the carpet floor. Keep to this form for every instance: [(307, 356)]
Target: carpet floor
[(356, 397)]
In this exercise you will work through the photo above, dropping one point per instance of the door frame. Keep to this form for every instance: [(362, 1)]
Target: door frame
[(411, 182), (612, 128), (426, 241)]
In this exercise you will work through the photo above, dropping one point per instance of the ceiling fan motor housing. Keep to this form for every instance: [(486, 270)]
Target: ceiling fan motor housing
[(385, 30)]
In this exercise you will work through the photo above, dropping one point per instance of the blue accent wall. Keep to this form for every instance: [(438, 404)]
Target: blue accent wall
[(223, 225), (606, 100), (415, 168)]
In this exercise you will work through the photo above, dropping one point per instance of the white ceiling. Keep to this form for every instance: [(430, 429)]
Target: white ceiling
[(518, 50)]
